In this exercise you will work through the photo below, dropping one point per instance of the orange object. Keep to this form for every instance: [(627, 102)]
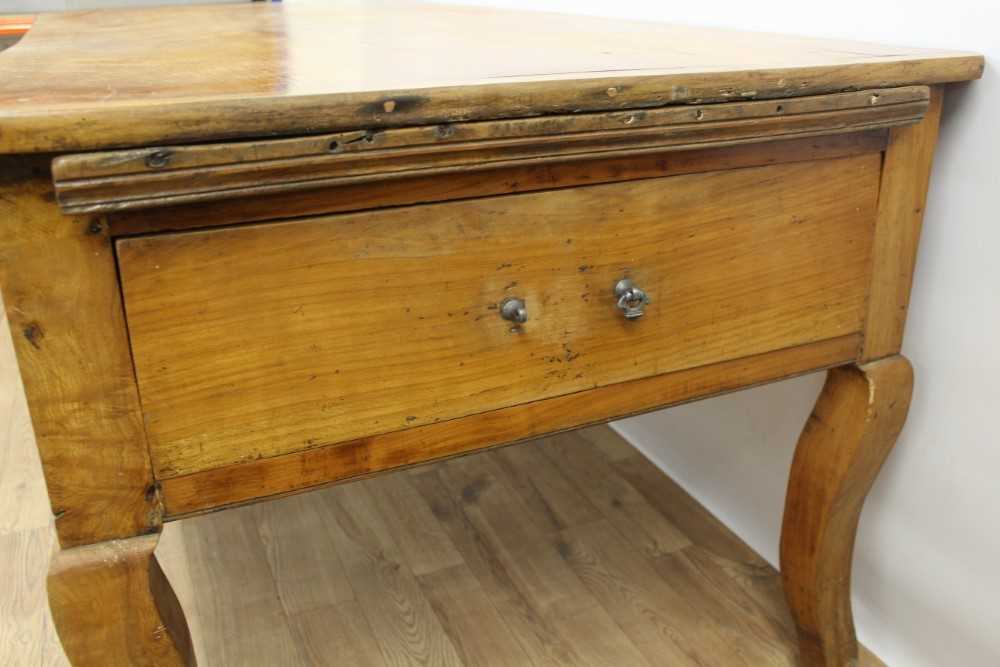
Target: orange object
[(15, 25)]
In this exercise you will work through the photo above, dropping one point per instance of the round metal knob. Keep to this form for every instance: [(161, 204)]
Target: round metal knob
[(514, 310), (631, 299)]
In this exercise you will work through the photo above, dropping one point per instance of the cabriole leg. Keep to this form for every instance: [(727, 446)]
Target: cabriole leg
[(851, 431), (113, 606)]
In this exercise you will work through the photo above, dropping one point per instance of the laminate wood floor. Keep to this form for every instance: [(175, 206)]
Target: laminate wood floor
[(571, 550)]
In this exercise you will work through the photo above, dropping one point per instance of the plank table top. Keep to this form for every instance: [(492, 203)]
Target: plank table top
[(125, 77)]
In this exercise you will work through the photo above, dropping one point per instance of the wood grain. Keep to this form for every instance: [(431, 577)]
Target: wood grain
[(470, 619), (533, 631), (27, 538), (19, 460), (770, 280), (26, 631), (902, 197), (621, 505), (746, 583), (164, 176), (258, 70), (114, 607), (679, 509), (584, 631), (212, 581), (750, 638), (260, 341), (651, 614), (576, 171), (848, 437), (424, 544), (408, 631), (716, 122), (305, 576), (257, 479), (64, 309), (339, 630), (556, 503), (233, 548)]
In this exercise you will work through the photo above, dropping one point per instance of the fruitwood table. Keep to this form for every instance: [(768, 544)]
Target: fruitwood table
[(251, 250)]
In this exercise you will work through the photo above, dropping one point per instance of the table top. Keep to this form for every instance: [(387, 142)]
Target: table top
[(129, 77)]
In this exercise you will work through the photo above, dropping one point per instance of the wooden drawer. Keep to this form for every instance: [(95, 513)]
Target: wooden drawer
[(255, 341)]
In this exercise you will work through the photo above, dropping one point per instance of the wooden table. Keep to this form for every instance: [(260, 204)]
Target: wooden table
[(251, 250)]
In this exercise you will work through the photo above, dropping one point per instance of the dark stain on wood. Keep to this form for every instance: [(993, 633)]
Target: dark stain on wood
[(159, 159), (564, 549), (34, 333), (472, 491)]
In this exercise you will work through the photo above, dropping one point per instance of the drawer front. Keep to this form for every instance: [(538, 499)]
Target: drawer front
[(255, 341)]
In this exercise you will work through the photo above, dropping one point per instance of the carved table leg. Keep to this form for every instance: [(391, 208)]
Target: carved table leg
[(113, 606), (850, 433)]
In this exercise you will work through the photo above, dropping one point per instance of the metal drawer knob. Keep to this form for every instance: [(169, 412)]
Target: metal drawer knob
[(514, 310), (631, 299)]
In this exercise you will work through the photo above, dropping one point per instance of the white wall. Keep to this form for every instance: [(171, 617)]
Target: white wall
[(927, 567)]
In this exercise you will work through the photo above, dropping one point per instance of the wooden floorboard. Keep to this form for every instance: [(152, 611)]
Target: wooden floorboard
[(571, 550)]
